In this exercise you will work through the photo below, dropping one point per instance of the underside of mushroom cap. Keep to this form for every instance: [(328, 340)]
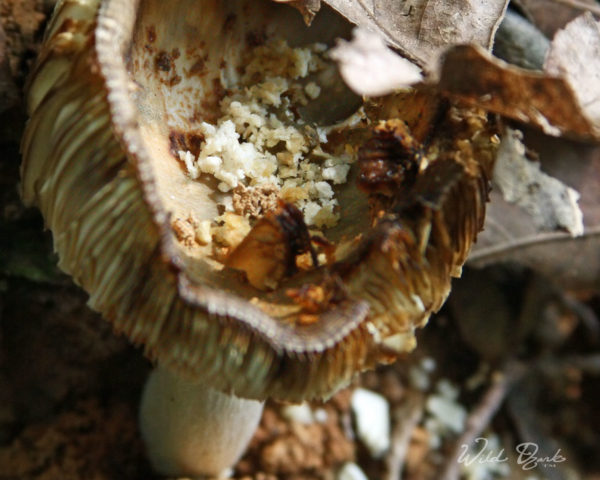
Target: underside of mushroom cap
[(122, 86)]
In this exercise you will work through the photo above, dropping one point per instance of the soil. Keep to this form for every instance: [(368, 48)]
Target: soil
[(69, 387)]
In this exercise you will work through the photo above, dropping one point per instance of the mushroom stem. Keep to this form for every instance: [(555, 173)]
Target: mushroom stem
[(193, 430)]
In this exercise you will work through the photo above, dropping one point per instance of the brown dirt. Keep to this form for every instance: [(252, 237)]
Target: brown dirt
[(23, 22), (89, 441)]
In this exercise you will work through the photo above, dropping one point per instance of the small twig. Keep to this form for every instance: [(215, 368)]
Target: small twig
[(579, 5), (551, 367), (586, 314), (494, 252), (407, 416), (481, 416), (492, 400), (589, 364)]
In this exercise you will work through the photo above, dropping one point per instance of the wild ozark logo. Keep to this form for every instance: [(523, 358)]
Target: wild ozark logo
[(527, 455)]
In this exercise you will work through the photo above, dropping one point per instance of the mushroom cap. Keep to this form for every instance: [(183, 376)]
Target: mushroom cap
[(119, 83)]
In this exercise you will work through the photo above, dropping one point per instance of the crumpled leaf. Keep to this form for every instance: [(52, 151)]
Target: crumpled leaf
[(308, 8), (551, 204), (550, 16), (575, 56), (422, 29), (509, 234), (370, 68), (472, 75)]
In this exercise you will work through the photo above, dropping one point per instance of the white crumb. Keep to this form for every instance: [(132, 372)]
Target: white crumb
[(259, 141)]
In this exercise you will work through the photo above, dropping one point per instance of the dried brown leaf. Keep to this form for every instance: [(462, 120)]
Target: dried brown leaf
[(471, 74), (550, 16), (575, 56), (422, 29), (370, 68), (510, 236), (308, 8), (550, 203)]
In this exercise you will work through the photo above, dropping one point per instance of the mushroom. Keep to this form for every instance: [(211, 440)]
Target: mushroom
[(193, 429), (241, 286)]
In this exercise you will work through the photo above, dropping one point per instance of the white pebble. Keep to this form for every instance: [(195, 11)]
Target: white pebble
[(418, 378), (320, 415), (298, 413), (447, 390), (428, 364), (447, 412), (418, 374), (372, 414), (351, 471)]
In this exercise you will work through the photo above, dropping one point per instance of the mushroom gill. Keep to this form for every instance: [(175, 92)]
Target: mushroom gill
[(122, 93)]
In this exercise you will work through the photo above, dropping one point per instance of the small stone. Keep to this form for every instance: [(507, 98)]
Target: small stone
[(372, 414), (448, 413), (298, 413), (447, 390), (320, 415), (428, 364), (351, 471), (418, 378)]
